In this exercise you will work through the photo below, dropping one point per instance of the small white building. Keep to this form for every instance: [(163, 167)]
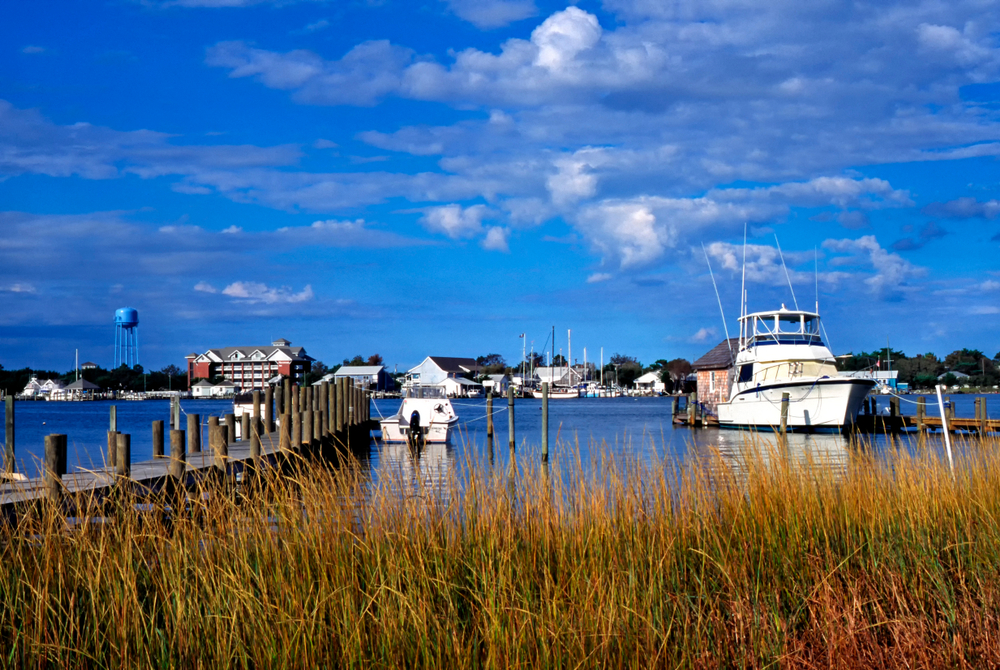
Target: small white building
[(496, 383), (372, 377), (650, 383), (201, 389), (460, 387)]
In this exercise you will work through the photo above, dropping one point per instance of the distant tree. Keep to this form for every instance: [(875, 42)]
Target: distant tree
[(357, 360), (316, 371), (970, 361), (679, 369), (374, 359), (558, 360), (491, 364), (534, 360), (171, 370)]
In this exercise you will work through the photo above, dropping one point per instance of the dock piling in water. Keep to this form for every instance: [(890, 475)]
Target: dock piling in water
[(123, 459), (784, 413), (177, 459), (194, 433), (158, 439), (55, 466), (112, 448), (489, 415), (545, 421), (510, 415), (8, 452), (230, 428)]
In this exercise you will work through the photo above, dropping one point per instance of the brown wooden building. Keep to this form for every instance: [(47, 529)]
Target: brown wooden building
[(715, 373)]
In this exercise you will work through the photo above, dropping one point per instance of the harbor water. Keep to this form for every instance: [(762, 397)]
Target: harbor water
[(582, 432)]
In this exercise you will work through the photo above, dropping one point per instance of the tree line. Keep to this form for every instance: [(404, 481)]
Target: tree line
[(123, 378), (924, 370)]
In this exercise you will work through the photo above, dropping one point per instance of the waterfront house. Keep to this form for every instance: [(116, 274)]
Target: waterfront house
[(559, 375), (460, 387), (433, 370), (201, 389), (650, 383), (715, 373), (81, 389), (37, 388), (371, 377), (496, 383)]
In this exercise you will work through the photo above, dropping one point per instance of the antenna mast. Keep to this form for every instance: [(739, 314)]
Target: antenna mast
[(816, 274), (743, 290), (725, 327), (785, 267)]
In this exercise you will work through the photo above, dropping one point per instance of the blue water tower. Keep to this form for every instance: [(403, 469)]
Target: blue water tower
[(126, 337)]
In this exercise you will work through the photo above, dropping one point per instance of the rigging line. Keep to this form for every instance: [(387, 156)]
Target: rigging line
[(785, 267), (725, 327)]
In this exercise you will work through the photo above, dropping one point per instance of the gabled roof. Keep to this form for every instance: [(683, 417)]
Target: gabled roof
[(721, 357), (223, 354), (82, 385), (358, 370), (203, 382), (452, 364), (650, 377)]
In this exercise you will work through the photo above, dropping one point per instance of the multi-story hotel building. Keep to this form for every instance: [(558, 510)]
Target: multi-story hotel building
[(250, 367)]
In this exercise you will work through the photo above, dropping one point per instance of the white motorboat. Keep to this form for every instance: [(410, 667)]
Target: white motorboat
[(425, 415), (558, 393), (782, 352)]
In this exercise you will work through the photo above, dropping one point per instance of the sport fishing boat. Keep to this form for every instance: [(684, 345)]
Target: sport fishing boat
[(425, 416), (782, 352)]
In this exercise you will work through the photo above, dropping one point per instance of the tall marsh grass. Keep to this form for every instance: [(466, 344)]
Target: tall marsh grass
[(893, 562)]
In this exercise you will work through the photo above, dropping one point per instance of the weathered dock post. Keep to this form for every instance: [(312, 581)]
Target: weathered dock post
[(177, 460), (55, 466), (510, 416), (692, 407), (324, 410), (921, 415), (176, 419), (269, 410), (113, 426), (123, 459), (112, 448), (984, 421), (894, 418), (675, 404), (230, 420), (194, 433), (545, 422), (286, 395), (8, 451), (285, 433), (307, 428), (784, 413), (219, 446), (158, 439), (255, 427), (296, 420), (341, 405), (951, 409), (489, 416), (245, 427), (331, 411)]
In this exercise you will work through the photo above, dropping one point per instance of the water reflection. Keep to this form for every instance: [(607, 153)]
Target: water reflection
[(740, 451)]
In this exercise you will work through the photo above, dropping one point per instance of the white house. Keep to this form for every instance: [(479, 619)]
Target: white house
[(496, 383), (650, 383), (36, 388), (559, 375), (201, 389), (433, 370), (460, 387), (373, 377)]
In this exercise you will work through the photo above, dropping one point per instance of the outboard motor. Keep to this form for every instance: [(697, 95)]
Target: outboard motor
[(415, 436)]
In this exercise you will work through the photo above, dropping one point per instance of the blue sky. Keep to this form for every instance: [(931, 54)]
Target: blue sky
[(438, 178)]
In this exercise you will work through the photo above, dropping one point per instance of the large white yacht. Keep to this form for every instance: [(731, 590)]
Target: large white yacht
[(425, 416), (782, 352)]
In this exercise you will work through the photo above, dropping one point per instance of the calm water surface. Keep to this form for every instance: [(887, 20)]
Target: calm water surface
[(582, 431)]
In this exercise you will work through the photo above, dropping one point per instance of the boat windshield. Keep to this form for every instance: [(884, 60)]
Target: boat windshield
[(424, 392), (785, 328)]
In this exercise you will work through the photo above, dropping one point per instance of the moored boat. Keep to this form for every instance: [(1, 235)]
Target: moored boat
[(782, 352), (425, 416)]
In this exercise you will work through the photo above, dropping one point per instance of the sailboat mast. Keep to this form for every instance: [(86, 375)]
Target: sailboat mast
[(569, 354), (743, 291)]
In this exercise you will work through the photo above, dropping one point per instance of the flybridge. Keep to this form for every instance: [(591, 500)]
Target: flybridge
[(781, 326)]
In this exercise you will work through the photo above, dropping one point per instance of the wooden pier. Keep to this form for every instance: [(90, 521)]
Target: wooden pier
[(692, 414), (309, 421)]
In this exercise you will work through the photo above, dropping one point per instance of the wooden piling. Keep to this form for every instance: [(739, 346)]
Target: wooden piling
[(982, 416), (245, 427), (921, 414), (317, 426), (194, 433), (331, 409), (675, 403), (123, 460), (545, 421), (255, 426), (220, 448), (55, 466), (489, 415), (286, 395), (784, 413), (324, 404), (269, 410), (307, 420), (177, 459), (112, 448), (691, 407), (230, 422), (8, 452), (113, 425), (285, 433), (157, 439), (296, 437), (176, 419), (510, 416)]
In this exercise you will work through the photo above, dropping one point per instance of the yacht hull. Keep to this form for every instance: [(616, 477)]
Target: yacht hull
[(828, 404), (395, 431), (435, 417)]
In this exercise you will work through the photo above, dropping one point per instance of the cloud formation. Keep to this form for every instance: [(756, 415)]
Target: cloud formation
[(254, 292)]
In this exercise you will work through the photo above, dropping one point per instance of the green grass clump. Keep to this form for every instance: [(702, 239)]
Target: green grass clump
[(889, 562)]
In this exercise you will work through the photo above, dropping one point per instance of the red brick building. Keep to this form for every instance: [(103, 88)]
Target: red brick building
[(250, 367), (715, 373)]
